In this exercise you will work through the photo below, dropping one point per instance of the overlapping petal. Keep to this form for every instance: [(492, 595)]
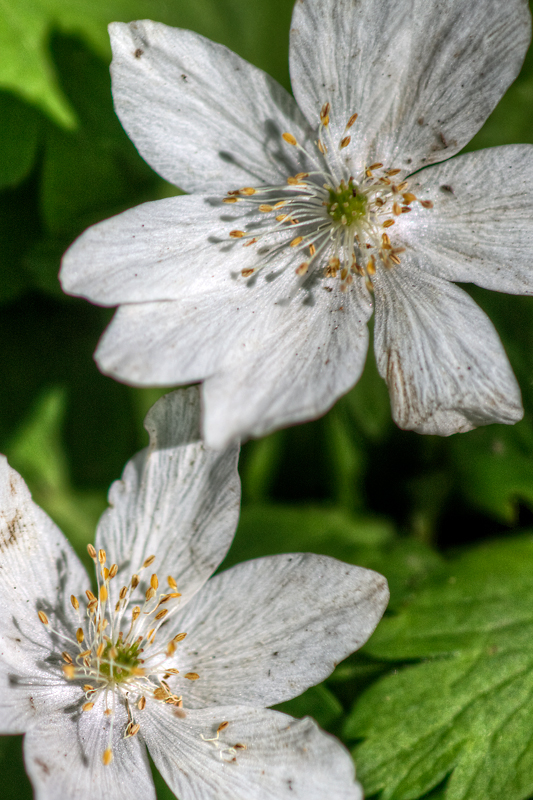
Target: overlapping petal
[(282, 758), (39, 573), (63, 757), (443, 362), (200, 115), (264, 631), (423, 76), (177, 499), (481, 227)]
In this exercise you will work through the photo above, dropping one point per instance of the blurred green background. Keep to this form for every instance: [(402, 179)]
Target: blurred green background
[(439, 704)]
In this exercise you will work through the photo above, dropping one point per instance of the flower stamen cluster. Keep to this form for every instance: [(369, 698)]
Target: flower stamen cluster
[(346, 218)]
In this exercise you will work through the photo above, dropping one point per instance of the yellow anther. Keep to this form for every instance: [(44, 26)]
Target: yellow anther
[(69, 671), (264, 207), (106, 574), (295, 242), (154, 582), (408, 197), (344, 274), (87, 706), (371, 266), (289, 138), (150, 593), (302, 269), (248, 190), (394, 258), (222, 726), (312, 249), (103, 594), (368, 173), (171, 648), (132, 728), (42, 616), (90, 596), (322, 147), (141, 703), (280, 204), (229, 200), (91, 551), (237, 234), (79, 635), (281, 217), (406, 209), (171, 582), (426, 203), (292, 181), (100, 649), (324, 114), (123, 592), (102, 556), (388, 223), (385, 181), (191, 676), (391, 172), (88, 688), (351, 121), (247, 272), (107, 757), (377, 165), (385, 241), (135, 580), (66, 657), (180, 637), (162, 614), (345, 142), (301, 176), (148, 562), (396, 209), (113, 571), (74, 601), (135, 613)]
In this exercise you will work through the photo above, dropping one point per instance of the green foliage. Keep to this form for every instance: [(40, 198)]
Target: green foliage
[(465, 709)]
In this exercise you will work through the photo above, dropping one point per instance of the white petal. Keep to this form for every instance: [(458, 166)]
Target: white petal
[(201, 116), (480, 229), (423, 76), (177, 500), (284, 758), (38, 571), (444, 364), (63, 757), (311, 356), (264, 631), (166, 250)]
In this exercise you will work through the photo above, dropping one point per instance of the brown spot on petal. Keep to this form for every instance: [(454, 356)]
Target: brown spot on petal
[(138, 53)]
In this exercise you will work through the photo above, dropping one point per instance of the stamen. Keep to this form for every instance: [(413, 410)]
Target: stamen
[(290, 139)]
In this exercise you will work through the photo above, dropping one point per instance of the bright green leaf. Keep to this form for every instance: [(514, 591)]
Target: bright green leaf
[(467, 711)]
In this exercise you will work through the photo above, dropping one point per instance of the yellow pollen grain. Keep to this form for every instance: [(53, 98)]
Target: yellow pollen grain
[(248, 191), (247, 272), (141, 703), (69, 671), (107, 757), (191, 676), (377, 165), (180, 637), (236, 234), (351, 121), (409, 197), (302, 269), (229, 200), (289, 138), (345, 142), (87, 706), (388, 223), (102, 557), (295, 242), (264, 207), (91, 551), (154, 582), (42, 616), (74, 601), (79, 636), (103, 594)]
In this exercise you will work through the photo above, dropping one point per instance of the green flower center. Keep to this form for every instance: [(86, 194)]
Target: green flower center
[(120, 661), (345, 204)]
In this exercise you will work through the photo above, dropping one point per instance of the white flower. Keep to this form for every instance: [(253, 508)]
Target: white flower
[(93, 678), (266, 298)]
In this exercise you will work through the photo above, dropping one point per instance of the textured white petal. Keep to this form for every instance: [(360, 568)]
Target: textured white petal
[(38, 571), (264, 631), (440, 355), (201, 116), (166, 250), (177, 500), (284, 758), (480, 229), (423, 76), (63, 757), (313, 355)]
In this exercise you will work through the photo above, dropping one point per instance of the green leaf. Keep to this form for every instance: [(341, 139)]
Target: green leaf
[(466, 712), (36, 452), (19, 137), (317, 702)]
